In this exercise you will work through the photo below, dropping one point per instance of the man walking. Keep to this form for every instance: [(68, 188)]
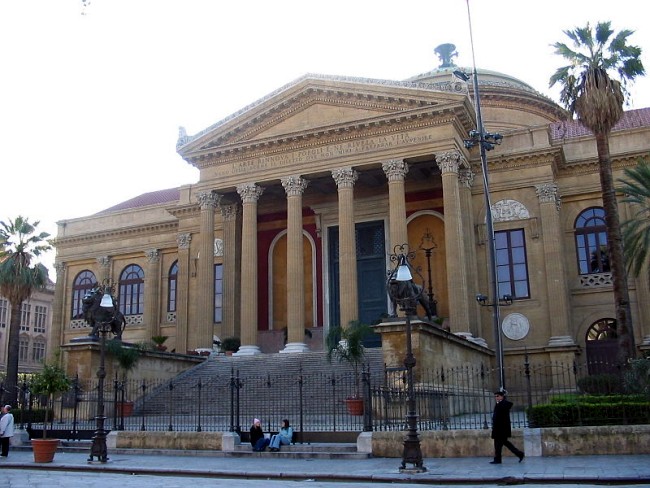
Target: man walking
[(6, 430), (501, 429)]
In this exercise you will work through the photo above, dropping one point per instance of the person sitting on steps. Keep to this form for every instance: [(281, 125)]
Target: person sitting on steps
[(258, 441), (282, 438)]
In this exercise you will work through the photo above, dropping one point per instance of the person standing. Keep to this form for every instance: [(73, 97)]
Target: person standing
[(6, 429), (501, 429), (282, 438), (258, 441)]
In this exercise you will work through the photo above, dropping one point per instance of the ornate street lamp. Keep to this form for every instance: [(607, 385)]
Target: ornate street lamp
[(104, 316), (403, 291)]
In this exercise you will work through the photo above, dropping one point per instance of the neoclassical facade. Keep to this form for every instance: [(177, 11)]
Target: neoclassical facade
[(304, 194)]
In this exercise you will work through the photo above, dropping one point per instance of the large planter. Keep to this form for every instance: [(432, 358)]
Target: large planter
[(355, 406), (44, 449), (124, 409)]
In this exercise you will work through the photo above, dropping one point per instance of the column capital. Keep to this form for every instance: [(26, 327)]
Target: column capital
[(153, 255), (249, 192), (183, 240), (449, 161), (59, 267), (208, 199), (466, 177), (395, 169), (294, 185), (548, 193), (230, 212), (345, 177), (104, 261)]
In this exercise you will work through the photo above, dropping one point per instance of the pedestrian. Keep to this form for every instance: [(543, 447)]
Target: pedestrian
[(258, 440), (283, 437), (6, 429), (501, 430)]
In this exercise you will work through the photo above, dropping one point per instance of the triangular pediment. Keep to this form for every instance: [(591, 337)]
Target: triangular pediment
[(317, 104)]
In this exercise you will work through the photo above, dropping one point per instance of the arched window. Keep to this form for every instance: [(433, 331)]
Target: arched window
[(601, 330), (591, 241), (602, 347), (83, 283), (172, 286), (131, 295)]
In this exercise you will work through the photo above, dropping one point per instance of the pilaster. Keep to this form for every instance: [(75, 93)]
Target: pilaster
[(182, 299)]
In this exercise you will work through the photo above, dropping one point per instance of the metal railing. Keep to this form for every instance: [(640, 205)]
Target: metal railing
[(446, 399)]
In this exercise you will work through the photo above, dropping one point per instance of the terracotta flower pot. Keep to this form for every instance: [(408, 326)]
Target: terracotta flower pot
[(44, 449), (355, 406)]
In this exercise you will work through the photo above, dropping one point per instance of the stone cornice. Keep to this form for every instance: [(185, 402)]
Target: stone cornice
[(118, 233)]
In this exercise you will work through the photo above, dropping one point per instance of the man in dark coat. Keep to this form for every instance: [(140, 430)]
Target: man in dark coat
[(501, 430)]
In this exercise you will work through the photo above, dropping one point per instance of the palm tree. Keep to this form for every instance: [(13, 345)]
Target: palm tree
[(18, 280), (594, 89), (636, 231)]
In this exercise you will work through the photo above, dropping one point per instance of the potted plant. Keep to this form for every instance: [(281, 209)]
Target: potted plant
[(50, 381), (230, 345), (126, 357), (159, 342), (346, 345)]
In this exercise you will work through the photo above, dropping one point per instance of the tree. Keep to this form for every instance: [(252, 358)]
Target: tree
[(19, 244), (594, 88), (636, 231)]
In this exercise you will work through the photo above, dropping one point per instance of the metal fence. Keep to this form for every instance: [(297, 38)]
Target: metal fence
[(446, 399)]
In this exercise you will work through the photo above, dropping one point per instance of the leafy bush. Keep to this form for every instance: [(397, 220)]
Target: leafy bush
[(601, 384), (231, 344), (636, 377)]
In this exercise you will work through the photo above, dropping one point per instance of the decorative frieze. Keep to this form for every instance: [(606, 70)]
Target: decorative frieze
[(506, 210), (153, 256), (218, 247), (104, 261)]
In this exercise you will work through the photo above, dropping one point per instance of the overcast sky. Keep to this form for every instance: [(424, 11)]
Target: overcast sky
[(91, 98)]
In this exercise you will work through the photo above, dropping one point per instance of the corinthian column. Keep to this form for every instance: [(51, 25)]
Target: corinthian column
[(294, 186), (396, 170), (250, 194), (58, 312), (152, 293), (449, 163), (348, 294), (182, 290), (202, 332), (231, 216), (556, 286)]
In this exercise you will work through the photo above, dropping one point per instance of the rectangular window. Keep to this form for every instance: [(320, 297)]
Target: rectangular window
[(23, 350), (512, 265), (38, 352), (4, 312), (40, 318), (218, 293), (25, 317)]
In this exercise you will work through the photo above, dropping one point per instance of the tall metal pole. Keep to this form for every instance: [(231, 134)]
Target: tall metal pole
[(98, 448), (489, 223)]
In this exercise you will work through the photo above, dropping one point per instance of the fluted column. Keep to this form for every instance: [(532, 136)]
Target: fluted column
[(556, 286), (183, 287), (152, 293), (395, 171), (294, 186), (348, 293), (465, 179), (231, 216), (449, 163), (58, 312), (200, 335), (250, 194)]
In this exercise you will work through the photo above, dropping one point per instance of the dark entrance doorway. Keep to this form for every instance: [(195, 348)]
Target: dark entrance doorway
[(602, 346), (371, 275)]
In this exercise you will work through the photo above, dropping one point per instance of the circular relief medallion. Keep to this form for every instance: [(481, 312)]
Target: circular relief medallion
[(515, 326)]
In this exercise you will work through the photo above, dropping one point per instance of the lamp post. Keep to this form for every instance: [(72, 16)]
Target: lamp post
[(486, 141), (401, 289), (428, 244), (104, 316)]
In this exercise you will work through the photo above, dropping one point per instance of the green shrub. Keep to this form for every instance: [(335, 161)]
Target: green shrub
[(601, 384), (636, 377), (35, 416)]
